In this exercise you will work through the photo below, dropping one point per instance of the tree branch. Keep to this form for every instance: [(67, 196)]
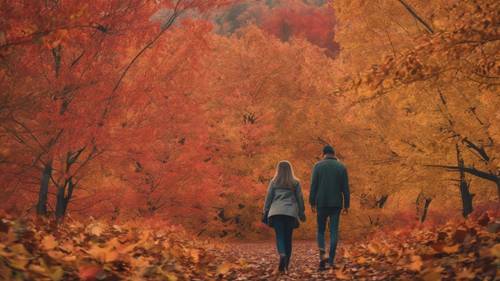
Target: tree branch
[(469, 170), (416, 16)]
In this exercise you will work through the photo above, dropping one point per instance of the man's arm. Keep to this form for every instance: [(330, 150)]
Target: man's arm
[(314, 187), (345, 190), (300, 202)]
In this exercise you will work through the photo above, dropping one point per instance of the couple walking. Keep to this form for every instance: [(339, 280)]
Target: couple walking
[(284, 205)]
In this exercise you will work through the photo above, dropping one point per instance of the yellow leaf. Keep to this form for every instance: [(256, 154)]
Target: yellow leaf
[(466, 274), (56, 254), (195, 255), (495, 250), (373, 248), (103, 254), (19, 249), (38, 269), (433, 274), (416, 263), (69, 258), (451, 249), (361, 260), (224, 268), (341, 275), (171, 277), (19, 263), (56, 273), (95, 229), (67, 247)]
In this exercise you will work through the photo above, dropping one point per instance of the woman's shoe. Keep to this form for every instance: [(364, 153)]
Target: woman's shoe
[(287, 263), (282, 265)]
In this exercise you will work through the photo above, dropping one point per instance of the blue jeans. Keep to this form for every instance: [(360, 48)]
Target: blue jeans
[(324, 214), (283, 226)]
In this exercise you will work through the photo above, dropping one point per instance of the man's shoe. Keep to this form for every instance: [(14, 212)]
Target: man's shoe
[(287, 263), (331, 264), (322, 265)]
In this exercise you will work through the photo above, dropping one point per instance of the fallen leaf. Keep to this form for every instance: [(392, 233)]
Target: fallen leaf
[(451, 249), (90, 272), (416, 263), (466, 274), (224, 268), (495, 250), (339, 274), (432, 274)]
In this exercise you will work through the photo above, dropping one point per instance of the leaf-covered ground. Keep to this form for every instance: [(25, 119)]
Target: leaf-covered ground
[(98, 251)]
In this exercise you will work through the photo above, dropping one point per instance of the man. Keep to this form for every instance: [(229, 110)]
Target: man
[(329, 194)]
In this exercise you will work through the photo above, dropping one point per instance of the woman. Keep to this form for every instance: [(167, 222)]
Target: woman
[(283, 208)]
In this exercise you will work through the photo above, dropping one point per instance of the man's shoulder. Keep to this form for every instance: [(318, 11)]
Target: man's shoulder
[(320, 163), (330, 162)]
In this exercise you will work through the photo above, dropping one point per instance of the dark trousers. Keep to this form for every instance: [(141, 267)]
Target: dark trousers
[(283, 226), (332, 216)]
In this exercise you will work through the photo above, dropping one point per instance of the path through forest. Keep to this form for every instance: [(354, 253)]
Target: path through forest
[(260, 260)]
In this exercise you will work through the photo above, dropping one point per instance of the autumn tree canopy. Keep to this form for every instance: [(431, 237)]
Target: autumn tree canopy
[(180, 110)]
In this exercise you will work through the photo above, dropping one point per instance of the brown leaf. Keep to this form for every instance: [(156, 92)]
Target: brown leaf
[(459, 235), (4, 227), (484, 220), (466, 274), (432, 274)]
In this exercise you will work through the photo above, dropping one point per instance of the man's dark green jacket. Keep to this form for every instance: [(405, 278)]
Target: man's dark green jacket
[(329, 184)]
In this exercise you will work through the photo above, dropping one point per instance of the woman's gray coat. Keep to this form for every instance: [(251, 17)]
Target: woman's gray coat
[(284, 201)]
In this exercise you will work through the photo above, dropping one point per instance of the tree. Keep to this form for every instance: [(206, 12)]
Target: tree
[(62, 59), (436, 93)]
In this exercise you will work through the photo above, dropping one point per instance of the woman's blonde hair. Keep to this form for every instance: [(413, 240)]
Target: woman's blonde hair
[(284, 176)]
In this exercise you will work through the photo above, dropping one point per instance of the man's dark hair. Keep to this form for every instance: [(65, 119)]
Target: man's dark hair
[(328, 149)]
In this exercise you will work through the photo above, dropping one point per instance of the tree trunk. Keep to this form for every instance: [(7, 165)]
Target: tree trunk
[(381, 202), (60, 202), (41, 207), (427, 203), (71, 186), (63, 197), (464, 187), (423, 202)]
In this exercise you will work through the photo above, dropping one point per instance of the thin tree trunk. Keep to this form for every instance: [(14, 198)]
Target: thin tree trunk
[(60, 202), (412, 11), (71, 186), (427, 203), (381, 202), (63, 197), (464, 187), (422, 204), (41, 207)]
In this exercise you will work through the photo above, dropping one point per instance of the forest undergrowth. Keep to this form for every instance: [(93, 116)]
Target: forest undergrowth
[(43, 250)]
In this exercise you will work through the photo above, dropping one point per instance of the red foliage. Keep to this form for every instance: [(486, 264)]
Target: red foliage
[(315, 24)]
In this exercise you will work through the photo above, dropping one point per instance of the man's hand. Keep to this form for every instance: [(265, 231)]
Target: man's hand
[(313, 209), (345, 211)]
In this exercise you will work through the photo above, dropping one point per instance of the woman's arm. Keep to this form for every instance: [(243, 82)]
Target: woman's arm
[(269, 198), (300, 202)]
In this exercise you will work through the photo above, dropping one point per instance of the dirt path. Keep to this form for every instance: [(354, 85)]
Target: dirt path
[(260, 261)]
